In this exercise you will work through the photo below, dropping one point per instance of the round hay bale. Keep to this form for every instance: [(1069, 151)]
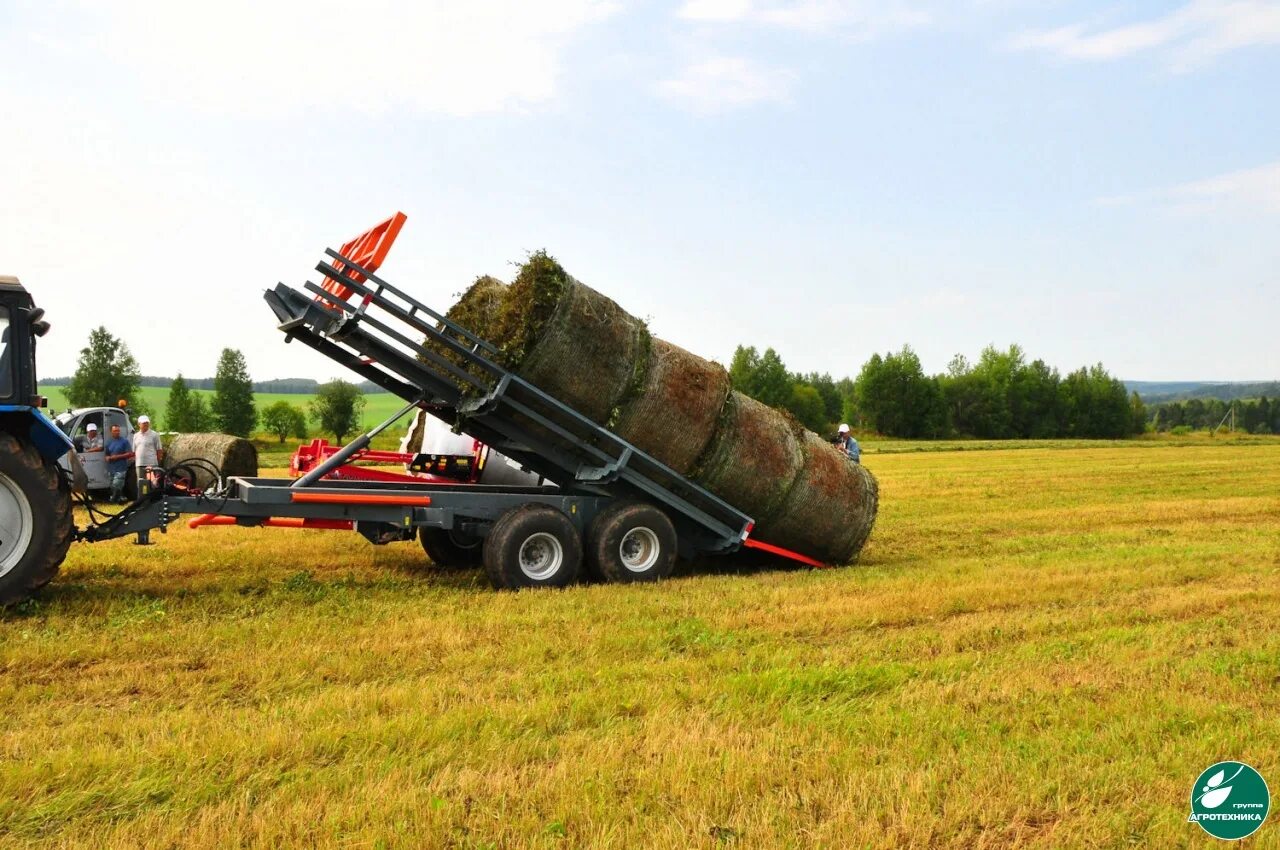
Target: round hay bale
[(753, 459), (231, 455), (479, 307), (674, 412), (567, 339), (476, 311), (830, 509)]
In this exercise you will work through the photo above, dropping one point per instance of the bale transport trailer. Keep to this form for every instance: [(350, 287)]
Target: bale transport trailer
[(613, 510)]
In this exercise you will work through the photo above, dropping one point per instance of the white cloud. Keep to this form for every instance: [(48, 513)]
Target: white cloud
[(725, 82), (1192, 35), (243, 57), (1253, 190), (848, 17)]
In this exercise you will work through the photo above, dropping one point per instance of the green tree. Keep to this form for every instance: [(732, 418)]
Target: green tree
[(899, 399), (764, 377), (233, 407), (199, 416), (1137, 414), (105, 373), (806, 405), (283, 419), (186, 410), (337, 408)]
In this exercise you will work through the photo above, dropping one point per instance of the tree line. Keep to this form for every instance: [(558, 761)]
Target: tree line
[(1256, 416), (107, 374), (283, 386), (1000, 396)]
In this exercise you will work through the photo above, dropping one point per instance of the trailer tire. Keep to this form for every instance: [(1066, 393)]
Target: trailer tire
[(41, 501), (451, 550), (533, 545), (631, 542)]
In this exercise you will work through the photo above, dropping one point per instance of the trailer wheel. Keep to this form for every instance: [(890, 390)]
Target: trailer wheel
[(35, 521), (533, 546), (452, 550), (631, 542)]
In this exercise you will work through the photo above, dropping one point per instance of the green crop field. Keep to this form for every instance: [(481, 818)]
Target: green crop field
[(1043, 647), (378, 406)]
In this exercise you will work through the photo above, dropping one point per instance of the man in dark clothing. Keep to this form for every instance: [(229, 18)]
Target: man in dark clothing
[(119, 455)]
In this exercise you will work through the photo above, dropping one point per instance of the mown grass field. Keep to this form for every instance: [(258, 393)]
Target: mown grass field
[(1043, 647)]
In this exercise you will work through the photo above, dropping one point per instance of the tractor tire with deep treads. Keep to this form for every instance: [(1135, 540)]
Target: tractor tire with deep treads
[(36, 525), (451, 550), (533, 545), (631, 542)]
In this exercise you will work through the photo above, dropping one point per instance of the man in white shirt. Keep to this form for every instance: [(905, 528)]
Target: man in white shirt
[(147, 448), (147, 451)]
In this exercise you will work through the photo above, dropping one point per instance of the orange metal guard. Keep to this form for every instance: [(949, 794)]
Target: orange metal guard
[(368, 250)]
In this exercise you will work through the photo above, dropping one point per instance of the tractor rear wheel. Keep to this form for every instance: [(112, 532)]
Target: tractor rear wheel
[(35, 521)]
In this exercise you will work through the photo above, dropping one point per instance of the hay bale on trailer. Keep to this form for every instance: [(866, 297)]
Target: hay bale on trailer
[(231, 455), (753, 459), (581, 347), (830, 508), (477, 311), (568, 339), (673, 414)]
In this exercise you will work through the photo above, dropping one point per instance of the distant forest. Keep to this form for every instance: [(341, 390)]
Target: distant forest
[(1156, 392), (1255, 416), (297, 386)]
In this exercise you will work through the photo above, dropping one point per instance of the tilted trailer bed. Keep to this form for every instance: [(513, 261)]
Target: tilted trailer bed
[(613, 508)]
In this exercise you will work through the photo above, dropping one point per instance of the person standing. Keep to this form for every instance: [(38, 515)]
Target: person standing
[(119, 453), (147, 448), (846, 442), (147, 451)]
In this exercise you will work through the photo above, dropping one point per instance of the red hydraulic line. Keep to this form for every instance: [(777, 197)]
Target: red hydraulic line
[(778, 550), (275, 522)]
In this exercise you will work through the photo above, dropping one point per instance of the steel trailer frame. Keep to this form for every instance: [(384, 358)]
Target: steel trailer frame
[(400, 344)]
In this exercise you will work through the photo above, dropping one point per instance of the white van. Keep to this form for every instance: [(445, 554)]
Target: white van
[(75, 424)]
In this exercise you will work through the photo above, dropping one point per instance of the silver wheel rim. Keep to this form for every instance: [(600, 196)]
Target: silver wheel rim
[(639, 550), (15, 524), (540, 556)]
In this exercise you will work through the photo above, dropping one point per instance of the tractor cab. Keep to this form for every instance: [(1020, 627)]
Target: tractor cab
[(21, 322)]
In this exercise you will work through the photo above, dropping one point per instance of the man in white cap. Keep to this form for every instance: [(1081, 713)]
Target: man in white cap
[(846, 442), (91, 442), (147, 451), (147, 448)]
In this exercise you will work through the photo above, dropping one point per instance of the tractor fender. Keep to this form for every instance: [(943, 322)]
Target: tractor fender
[(29, 424)]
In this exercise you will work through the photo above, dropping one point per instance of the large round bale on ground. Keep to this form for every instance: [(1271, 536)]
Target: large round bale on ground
[(231, 455), (753, 459), (830, 509), (569, 340), (674, 412)]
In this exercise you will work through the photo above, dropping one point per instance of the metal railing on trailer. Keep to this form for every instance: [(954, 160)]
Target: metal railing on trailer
[(415, 352)]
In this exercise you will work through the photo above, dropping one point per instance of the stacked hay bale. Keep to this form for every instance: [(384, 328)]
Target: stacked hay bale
[(231, 455), (582, 348)]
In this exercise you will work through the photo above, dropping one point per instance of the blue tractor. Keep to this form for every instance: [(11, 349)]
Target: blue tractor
[(36, 525)]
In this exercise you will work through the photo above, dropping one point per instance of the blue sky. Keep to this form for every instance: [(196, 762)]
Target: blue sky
[(1096, 182)]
